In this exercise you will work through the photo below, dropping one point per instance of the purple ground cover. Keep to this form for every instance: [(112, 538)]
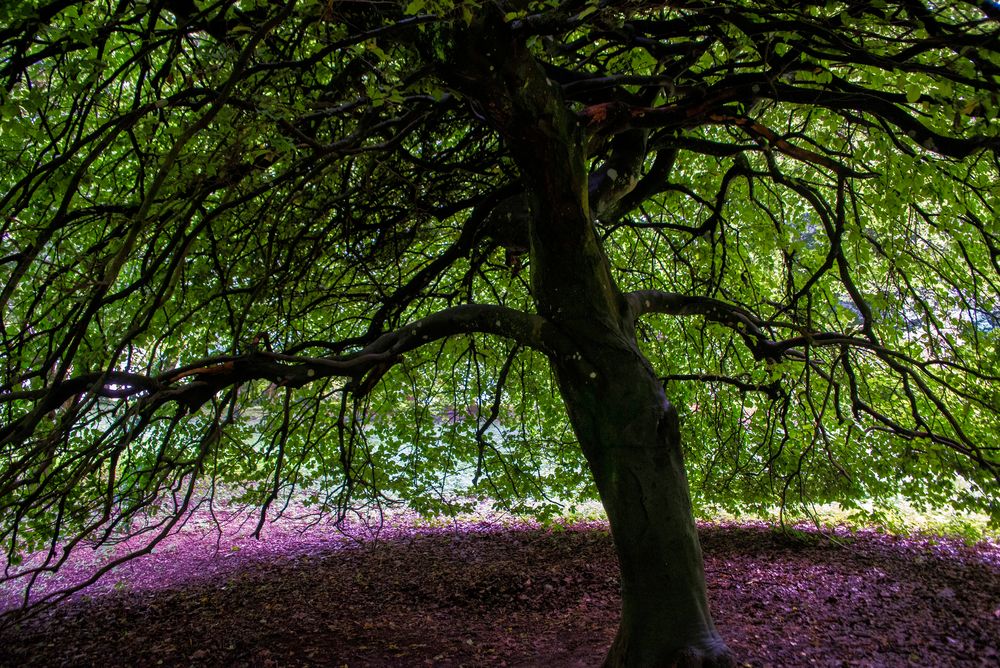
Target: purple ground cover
[(494, 591)]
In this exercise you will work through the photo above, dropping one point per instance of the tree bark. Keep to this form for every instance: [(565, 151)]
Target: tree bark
[(629, 433), (620, 414)]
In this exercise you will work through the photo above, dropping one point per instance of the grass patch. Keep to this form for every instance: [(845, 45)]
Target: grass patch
[(900, 518)]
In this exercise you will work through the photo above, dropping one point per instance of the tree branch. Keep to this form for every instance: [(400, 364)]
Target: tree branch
[(206, 378)]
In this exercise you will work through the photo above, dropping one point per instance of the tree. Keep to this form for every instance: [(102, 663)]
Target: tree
[(446, 249)]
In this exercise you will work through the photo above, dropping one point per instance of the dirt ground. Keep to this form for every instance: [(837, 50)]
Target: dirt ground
[(483, 595)]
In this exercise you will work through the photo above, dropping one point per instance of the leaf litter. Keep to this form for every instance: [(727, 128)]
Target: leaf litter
[(498, 592)]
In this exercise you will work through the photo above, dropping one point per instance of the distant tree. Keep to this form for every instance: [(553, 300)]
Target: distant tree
[(449, 250)]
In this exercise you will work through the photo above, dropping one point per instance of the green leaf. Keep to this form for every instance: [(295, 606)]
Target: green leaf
[(315, 255)]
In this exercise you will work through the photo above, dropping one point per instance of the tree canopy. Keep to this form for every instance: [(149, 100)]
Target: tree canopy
[(306, 246)]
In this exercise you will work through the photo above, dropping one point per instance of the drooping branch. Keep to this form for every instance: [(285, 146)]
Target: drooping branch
[(918, 380), (742, 321), (194, 384), (356, 172), (751, 328), (616, 118)]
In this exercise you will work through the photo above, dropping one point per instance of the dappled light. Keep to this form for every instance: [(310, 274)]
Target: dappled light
[(490, 590), (346, 262)]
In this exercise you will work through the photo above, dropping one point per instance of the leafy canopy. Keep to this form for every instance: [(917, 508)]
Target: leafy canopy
[(220, 220)]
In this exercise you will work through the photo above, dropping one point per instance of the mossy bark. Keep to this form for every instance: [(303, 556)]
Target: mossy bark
[(630, 436)]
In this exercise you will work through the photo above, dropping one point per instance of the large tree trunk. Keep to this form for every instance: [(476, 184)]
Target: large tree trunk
[(630, 436), (626, 427)]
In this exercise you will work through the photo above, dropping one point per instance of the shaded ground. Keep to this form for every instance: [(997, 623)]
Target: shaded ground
[(479, 595)]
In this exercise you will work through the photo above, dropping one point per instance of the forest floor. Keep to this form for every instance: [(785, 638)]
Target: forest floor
[(483, 593)]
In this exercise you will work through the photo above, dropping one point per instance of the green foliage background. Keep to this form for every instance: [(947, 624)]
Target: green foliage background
[(182, 188)]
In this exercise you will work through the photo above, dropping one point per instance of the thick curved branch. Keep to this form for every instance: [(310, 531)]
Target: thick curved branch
[(743, 322), (751, 330), (206, 378), (529, 330), (620, 174)]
